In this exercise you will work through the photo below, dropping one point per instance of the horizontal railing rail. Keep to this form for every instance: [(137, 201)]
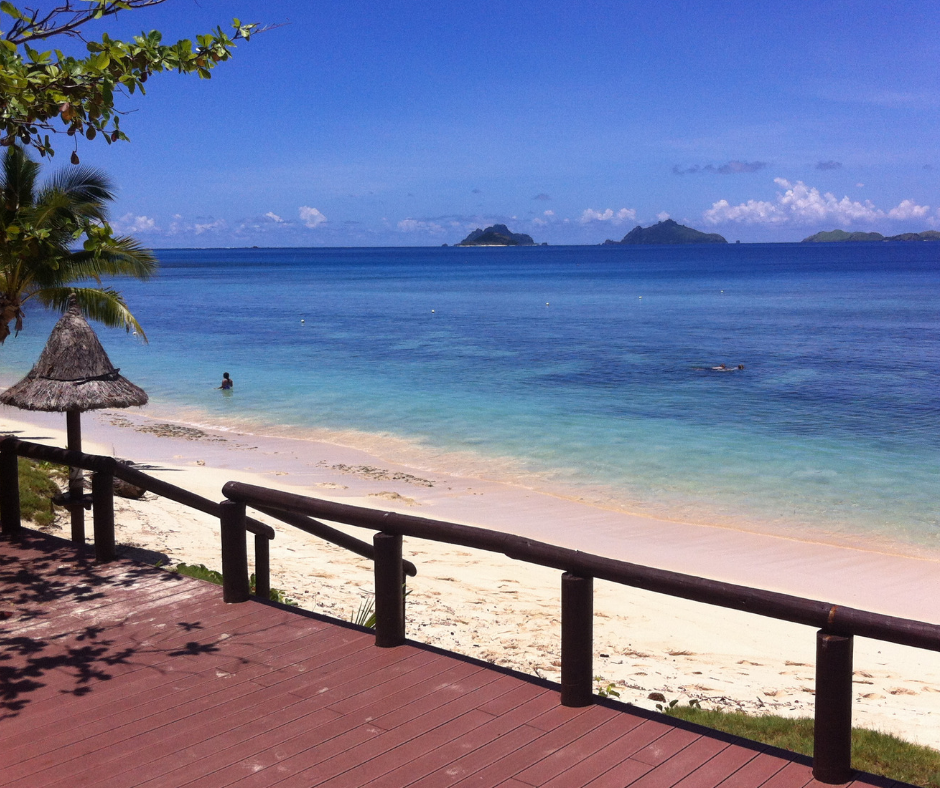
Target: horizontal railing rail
[(836, 619), (837, 625), (98, 462), (329, 534), (106, 468)]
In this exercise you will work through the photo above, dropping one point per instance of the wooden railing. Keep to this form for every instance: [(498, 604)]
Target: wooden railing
[(837, 625), (106, 469)]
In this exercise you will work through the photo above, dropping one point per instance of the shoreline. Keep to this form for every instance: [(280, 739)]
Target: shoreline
[(493, 608), (506, 471)]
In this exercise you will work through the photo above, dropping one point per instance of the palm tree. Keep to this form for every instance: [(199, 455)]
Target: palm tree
[(40, 227)]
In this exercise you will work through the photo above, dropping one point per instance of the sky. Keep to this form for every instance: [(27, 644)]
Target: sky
[(411, 123)]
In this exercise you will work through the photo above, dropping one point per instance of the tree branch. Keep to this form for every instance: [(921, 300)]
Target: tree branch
[(35, 28)]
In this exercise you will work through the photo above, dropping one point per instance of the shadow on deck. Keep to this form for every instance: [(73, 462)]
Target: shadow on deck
[(125, 675)]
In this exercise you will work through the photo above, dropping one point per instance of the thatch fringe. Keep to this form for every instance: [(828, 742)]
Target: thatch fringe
[(73, 373)]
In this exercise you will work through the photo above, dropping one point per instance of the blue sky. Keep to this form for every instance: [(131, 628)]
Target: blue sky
[(411, 123)]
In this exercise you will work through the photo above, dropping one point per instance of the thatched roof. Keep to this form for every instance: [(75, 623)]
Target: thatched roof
[(73, 373)]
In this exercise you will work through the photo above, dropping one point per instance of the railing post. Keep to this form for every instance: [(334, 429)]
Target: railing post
[(102, 501), (389, 591), (577, 640), (235, 586), (262, 567), (9, 490), (832, 737), (73, 426)]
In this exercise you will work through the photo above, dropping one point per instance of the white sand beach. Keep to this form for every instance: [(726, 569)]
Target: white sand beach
[(507, 612)]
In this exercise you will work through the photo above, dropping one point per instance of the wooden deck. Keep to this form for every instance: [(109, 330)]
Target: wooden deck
[(126, 675)]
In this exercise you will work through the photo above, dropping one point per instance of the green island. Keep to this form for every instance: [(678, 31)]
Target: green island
[(496, 235), (841, 236), (668, 231)]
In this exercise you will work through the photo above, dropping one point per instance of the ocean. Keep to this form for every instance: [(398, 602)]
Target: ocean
[(582, 371)]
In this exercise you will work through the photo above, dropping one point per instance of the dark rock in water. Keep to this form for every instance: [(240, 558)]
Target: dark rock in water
[(497, 235), (669, 232)]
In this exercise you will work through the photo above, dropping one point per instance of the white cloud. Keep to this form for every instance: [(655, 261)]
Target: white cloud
[(624, 214), (201, 224), (311, 217), (908, 209), (209, 225), (548, 213), (802, 204), (129, 224), (420, 226), (274, 217), (662, 216)]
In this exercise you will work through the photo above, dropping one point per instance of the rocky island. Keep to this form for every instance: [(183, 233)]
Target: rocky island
[(668, 232), (497, 235), (841, 236)]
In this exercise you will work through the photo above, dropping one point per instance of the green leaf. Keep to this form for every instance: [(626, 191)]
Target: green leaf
[(12, 10)]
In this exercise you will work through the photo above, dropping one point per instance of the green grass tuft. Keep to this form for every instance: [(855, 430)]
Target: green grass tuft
[(878, 753), (39, 481), (202, 572)]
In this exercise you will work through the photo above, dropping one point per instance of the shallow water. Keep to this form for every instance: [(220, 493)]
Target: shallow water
[(581, 370)]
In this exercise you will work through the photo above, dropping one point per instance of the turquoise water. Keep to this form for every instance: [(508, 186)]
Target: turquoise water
[(580, 370)]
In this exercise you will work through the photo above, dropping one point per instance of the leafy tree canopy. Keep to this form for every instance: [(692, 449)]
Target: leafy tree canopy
[(48, 92)]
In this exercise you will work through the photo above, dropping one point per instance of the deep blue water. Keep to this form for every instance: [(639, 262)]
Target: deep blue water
[(584, 370)]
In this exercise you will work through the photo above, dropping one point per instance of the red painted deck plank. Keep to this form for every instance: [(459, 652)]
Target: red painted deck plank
[(213, 752), (124, 675)]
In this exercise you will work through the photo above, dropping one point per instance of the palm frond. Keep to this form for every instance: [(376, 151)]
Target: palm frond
[(97, 303), (17, 178), (82, 185), (122, 256)]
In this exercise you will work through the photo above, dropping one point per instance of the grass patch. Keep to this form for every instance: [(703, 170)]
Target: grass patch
[(878, 753), (39, 481), (202, 572)]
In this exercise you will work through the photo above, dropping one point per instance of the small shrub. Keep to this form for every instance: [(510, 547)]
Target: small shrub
[(365, 615), (39, 481), (605, 688), (202, 572)]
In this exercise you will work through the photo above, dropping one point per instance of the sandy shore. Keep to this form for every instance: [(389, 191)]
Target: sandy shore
[(507, 612)]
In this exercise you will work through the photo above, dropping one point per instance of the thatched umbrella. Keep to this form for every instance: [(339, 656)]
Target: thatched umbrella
[(74, 374)]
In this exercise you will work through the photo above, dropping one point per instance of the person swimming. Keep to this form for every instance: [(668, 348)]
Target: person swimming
[(723, 368), (227, 382)]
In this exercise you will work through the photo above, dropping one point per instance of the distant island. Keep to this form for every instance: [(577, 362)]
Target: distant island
[(497, 235), (841, 236), (668, 232)]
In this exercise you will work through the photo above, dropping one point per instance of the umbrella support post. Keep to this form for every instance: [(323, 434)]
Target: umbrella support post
[(73, 426)]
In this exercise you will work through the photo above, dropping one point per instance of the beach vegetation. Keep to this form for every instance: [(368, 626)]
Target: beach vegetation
[(872, 751), (364, 616), (605, 688), (365, 613), (51, 92), (39, 482), (202, 572), (40, 225)]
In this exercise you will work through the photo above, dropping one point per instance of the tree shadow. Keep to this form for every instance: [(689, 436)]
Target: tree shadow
[(48, 648)]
